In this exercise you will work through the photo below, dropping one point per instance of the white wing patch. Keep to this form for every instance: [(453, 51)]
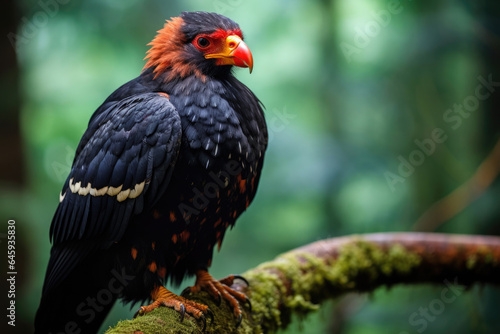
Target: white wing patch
[(121, 195)]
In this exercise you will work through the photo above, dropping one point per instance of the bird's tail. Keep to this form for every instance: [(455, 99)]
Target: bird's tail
[(79, 302)]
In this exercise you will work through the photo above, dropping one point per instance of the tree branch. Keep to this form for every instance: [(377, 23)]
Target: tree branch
[(299, 280)]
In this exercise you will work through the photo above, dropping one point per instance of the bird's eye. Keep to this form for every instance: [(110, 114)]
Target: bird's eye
[(203, 42)]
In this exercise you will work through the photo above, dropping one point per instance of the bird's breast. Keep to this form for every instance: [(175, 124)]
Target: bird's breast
[(217, 170), (214, 179)]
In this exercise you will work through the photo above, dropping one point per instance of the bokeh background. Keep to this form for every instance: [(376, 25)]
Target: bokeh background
[(376, 124)]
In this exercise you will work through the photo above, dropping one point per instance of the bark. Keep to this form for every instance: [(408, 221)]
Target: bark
[(299, 280)]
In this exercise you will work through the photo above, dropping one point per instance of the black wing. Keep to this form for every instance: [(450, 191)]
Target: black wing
[(122, 167)]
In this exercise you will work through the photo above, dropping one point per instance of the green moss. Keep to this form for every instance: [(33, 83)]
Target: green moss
[(153, 323), (266, 286), (490, 259), (359, 266), (471, 262), (483, 255)]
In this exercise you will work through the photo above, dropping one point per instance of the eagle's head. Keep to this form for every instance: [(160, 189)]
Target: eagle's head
[(198, 43)]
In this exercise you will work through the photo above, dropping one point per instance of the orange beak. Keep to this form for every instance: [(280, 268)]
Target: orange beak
[(234, 52)]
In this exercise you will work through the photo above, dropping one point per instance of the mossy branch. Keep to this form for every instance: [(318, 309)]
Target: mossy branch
[(299, 280)]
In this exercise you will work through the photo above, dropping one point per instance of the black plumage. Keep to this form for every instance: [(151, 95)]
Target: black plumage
[(168, 162)]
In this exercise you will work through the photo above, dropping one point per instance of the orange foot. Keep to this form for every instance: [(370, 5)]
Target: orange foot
[(163, 297), (220, 289)]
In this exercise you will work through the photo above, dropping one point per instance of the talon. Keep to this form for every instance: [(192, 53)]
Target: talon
[(182, 311), (238, 322), (241, 278), (139, 312), (221, 289), (186, 291), (210, 315), (247, 301), (204, 323)]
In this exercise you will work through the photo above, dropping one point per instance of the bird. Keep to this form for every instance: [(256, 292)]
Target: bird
[(167, 164)]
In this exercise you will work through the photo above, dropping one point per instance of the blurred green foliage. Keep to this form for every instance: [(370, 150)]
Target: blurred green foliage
[(349, 86)]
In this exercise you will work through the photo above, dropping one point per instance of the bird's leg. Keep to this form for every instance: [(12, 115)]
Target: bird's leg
[(220, 289), (163, 297)]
